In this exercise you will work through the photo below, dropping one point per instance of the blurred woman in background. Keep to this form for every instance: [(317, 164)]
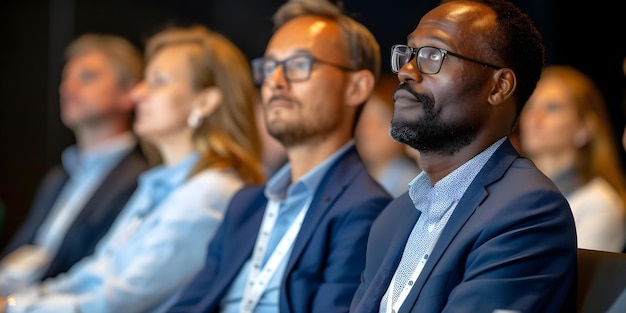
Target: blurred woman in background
[(565, 130)]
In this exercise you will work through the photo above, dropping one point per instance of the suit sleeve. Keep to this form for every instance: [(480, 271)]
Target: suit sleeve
[(513, 266)]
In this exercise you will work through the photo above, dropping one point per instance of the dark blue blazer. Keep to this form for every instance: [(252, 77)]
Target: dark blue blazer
[(92, 222), (328, 255), (510, 244)]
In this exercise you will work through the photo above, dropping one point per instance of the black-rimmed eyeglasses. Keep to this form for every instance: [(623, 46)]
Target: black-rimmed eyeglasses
[(429, 59), (295, 68)]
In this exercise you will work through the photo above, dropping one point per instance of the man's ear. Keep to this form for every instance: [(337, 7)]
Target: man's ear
[(360, 87), (207, 101), (504, 86)]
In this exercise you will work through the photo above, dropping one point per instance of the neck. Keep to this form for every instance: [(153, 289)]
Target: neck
[(305, 157), (174, 150), (438, 166), (88, 137)]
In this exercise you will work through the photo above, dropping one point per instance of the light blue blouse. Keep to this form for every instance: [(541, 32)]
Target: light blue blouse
[(156, 246)]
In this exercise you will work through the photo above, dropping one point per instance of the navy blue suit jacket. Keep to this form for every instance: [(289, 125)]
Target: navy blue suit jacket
[(92, 222), (510, 244), (328, 255)]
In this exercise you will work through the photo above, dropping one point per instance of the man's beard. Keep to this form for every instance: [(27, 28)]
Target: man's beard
[(428, 134), (90, 119), (298, 127), (287, 134)]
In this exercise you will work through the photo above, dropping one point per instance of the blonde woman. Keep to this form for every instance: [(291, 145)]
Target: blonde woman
[(565, 130), (196, 108)]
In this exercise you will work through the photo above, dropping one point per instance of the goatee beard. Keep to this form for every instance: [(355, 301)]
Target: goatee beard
[(428, 134), (428, 138)]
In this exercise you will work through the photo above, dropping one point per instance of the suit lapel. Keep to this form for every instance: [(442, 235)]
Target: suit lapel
[(241, 243), (330, 189), (493, 170), (121, 177), (382, 278), (466, 207), (49, 192)]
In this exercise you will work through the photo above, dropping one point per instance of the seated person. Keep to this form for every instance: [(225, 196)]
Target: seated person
[(196, 109), (297, 244), (481, 229), (77, 202), (566, 131)]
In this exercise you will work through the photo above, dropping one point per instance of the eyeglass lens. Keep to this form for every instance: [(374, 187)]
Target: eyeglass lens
[(295, 68), (429, 59)]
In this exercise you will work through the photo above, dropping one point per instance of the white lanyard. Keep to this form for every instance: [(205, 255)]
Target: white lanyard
[(258, 279)]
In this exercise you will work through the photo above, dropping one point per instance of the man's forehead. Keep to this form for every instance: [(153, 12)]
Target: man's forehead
[(305, 35), (453, 24), (461, 14)]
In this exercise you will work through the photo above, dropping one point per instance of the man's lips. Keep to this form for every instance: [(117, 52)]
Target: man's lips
[(279, 102), (404, 98), (403, 94)]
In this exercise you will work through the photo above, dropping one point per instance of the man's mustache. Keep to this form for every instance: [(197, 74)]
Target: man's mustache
[(418, 96)]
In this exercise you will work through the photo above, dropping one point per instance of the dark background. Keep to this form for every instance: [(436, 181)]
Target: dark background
[(34, 33)]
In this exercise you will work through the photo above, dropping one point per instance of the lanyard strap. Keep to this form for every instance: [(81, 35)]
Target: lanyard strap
[(259, 278)]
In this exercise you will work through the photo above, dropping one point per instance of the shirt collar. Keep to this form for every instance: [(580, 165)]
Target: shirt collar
[(169, 176), (449, 189), (108, 151), (279, 186)]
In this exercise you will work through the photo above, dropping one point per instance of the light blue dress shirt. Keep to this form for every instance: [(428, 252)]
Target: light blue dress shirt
[(155, 247), (86, 170), (291, 199)]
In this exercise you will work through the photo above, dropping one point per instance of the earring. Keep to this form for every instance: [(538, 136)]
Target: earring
[(194, 119), (580, 139)]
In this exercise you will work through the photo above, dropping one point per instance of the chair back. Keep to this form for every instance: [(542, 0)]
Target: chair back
[(601, 281)]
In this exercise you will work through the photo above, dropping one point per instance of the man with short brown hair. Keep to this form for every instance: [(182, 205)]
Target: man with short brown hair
[(78, 201)]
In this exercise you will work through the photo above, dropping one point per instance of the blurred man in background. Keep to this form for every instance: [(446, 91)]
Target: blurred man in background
[(79, 199)]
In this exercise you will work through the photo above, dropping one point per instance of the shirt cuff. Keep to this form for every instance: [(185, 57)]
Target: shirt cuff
[(19, 302), (33, 302)]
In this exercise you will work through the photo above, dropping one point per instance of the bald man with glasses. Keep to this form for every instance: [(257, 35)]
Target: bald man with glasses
[(481, 229)]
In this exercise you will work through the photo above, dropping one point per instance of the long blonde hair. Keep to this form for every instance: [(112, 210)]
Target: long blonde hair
[(229, 136)]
